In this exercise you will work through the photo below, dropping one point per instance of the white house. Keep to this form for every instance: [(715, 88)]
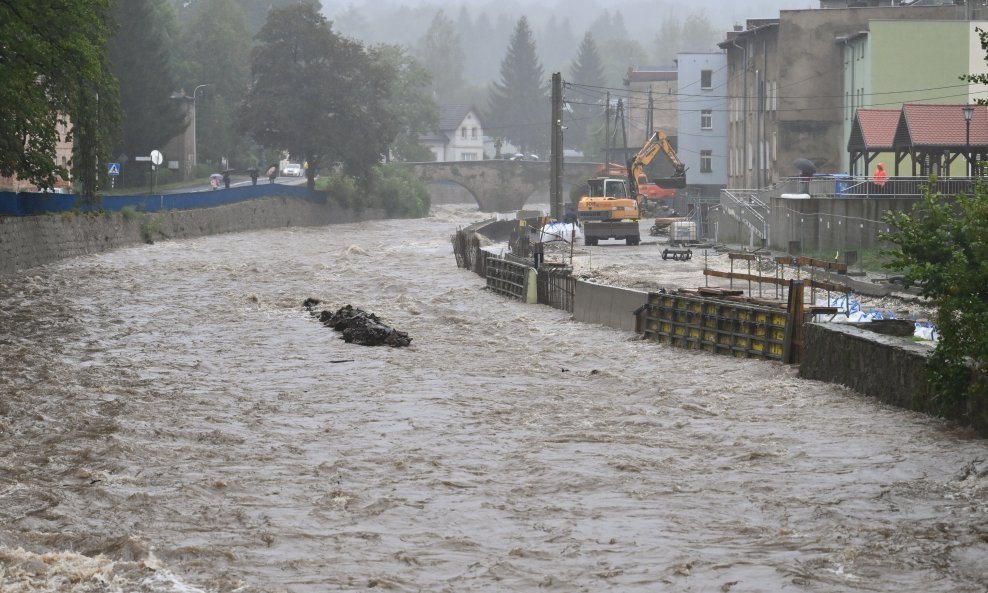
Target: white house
[(460, 136)]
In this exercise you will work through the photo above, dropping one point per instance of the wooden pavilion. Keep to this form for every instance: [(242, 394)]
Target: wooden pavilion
[(932, 136)]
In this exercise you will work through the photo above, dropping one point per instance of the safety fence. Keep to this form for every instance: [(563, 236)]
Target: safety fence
[(767, 278), (28, 203), (507, 278), (522, 277)]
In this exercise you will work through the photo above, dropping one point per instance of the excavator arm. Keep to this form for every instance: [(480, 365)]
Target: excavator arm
[(636, 166)]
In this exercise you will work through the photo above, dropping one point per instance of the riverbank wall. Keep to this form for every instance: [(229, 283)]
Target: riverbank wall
[(889, 368), (30, 241)]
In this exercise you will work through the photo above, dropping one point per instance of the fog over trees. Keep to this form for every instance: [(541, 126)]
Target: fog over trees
[(636, 33)]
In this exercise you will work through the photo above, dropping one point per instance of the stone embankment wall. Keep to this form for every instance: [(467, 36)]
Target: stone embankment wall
[(29, 241), (889, 368)]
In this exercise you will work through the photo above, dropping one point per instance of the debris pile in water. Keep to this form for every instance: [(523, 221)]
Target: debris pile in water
[(358, 326)]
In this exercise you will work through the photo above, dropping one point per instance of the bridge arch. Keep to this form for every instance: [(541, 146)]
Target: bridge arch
[(498, 185)]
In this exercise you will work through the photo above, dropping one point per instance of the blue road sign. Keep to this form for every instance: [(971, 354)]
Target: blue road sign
[(113, 169)]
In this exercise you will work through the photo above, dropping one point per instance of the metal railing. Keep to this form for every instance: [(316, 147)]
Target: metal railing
[(746, 207), (863, 186)]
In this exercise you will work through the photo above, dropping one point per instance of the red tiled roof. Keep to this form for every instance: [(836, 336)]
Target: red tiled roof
[(877, 127), (941, 125)]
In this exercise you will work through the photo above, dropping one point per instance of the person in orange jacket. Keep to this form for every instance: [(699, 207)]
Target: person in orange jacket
[(880, 175)]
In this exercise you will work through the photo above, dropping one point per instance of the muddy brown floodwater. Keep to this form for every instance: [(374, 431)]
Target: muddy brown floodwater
[(172, 420)]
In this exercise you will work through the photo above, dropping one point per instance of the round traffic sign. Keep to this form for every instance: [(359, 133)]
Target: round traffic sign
[(156, 158)]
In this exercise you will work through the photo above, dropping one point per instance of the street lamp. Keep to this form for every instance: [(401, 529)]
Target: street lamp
[(968, 112), (195, 152)]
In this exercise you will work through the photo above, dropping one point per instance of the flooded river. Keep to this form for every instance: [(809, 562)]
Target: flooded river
[(172, 420)]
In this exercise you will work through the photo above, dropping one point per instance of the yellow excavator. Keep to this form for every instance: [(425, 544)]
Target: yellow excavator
[(653, 194), (618, 195)]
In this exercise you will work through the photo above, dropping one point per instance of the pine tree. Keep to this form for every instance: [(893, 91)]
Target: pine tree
[(519, 103), (587, 69), (441, 53)]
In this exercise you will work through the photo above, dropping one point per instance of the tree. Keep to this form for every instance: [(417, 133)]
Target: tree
[(519, 103), (411, 107), (142, 52), (52, 66), (215, 47), (441, 53), (318, 95), (587, 69), (667, 42), (943, 247), (698, 33)]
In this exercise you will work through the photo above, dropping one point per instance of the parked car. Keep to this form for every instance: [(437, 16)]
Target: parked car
[(292, 170)]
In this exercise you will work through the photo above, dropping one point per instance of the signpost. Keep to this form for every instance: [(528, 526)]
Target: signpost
[(155, 158), (113, 169)]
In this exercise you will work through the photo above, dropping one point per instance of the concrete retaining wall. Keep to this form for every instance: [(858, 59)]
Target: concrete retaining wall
[(607, 305), (30, 241)]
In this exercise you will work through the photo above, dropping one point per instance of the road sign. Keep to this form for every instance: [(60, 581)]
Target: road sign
[(156, 158), (113, 169), (142, 159)]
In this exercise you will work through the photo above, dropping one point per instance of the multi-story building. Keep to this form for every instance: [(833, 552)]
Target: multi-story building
[(884, 68), (651, 103), (702, 122), (785, 83)]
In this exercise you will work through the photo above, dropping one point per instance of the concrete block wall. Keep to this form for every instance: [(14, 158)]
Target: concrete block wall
[(607, 305), (29, 241)]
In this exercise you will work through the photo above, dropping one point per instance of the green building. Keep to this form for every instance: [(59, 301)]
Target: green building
[(910, 61)]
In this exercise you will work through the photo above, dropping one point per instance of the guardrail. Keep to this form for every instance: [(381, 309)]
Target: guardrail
[(861, 186), (31, 203)]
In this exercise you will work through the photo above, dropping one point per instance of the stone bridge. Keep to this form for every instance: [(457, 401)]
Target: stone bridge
[(502, 186)]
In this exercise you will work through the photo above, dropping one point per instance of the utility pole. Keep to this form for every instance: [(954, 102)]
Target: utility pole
[(649, 117), (624, 131), (556, 150), (607, 129)]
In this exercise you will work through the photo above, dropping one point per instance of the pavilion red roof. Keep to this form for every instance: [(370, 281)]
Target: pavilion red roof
[(928, 125)]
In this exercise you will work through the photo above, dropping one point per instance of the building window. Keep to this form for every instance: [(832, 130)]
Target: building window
[(706, 161), (706, 79), (706, 119), (473, 133), (469, 156), (463, 132)]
